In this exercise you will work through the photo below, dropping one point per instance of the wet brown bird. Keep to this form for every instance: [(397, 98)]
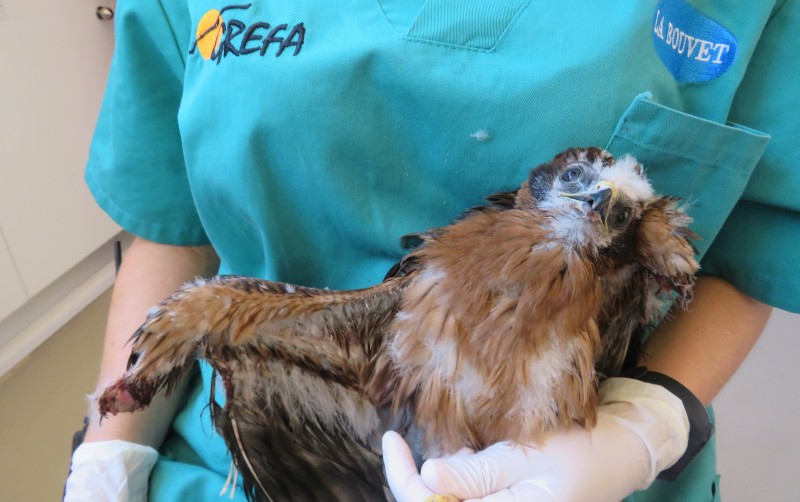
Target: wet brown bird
[(496, 327)]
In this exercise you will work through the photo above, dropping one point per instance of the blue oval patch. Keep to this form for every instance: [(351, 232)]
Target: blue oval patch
[(692, 46)]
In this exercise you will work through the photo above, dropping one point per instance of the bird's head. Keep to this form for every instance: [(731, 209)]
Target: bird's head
[(587, 195), (606, 206)]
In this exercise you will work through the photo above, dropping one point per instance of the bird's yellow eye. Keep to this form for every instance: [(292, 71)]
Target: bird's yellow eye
[(572, 174)]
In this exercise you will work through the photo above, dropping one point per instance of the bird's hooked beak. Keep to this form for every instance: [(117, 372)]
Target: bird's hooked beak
[(600, 199)]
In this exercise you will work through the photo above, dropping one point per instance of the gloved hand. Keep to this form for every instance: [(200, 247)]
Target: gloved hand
[(641, 429), (113, 471)]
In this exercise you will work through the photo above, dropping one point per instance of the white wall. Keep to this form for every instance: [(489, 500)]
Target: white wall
[(54, 58), (758, 430)]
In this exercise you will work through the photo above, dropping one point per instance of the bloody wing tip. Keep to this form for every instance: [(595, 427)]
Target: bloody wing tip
[(118, 398)]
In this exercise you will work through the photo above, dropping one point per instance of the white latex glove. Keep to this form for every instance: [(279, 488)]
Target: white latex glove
[(113, 471), (641, 429)]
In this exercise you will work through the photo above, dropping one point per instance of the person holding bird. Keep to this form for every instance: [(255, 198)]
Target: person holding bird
[(295, 142)]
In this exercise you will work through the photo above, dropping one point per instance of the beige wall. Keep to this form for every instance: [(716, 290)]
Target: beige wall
[(758, 419)]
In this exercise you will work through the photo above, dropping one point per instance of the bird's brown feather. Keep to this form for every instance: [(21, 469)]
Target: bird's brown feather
[(495, 319)]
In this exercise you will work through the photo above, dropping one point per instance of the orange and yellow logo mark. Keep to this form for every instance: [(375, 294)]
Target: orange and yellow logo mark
[(209, 33)]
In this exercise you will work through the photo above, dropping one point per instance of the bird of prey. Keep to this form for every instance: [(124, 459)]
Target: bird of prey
[(496, 327)]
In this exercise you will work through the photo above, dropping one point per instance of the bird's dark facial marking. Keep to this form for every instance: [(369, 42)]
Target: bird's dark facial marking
[(542, 178)]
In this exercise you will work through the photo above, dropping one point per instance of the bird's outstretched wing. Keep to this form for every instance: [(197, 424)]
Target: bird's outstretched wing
[(294, 362)]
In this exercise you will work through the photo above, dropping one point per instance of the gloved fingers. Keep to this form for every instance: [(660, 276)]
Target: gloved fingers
[(489, 471), (527, 491), (401, 472)]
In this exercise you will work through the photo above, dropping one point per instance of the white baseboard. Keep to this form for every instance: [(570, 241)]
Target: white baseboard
[(27, 340), (48, 311)]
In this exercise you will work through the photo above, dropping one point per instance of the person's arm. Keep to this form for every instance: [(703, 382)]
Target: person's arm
[(149, 273), (641, 427), (703, 346), (117, 455)]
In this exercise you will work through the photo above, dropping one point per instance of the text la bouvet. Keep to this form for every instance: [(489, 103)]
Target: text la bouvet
[(691, 47)]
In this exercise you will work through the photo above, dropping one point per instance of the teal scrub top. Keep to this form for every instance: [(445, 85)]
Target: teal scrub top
[(302, 138)]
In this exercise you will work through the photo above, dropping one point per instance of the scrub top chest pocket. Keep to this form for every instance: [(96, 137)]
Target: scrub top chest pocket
[(466, 24), (705, 163)]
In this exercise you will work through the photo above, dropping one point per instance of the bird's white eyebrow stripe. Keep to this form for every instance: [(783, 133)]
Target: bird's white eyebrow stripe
[(636, 187)]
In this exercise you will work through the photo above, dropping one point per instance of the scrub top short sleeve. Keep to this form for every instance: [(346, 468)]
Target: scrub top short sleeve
[(136, 170), (757, 249)]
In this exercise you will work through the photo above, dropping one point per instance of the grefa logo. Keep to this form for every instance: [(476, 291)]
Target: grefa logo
[(217, 38)]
